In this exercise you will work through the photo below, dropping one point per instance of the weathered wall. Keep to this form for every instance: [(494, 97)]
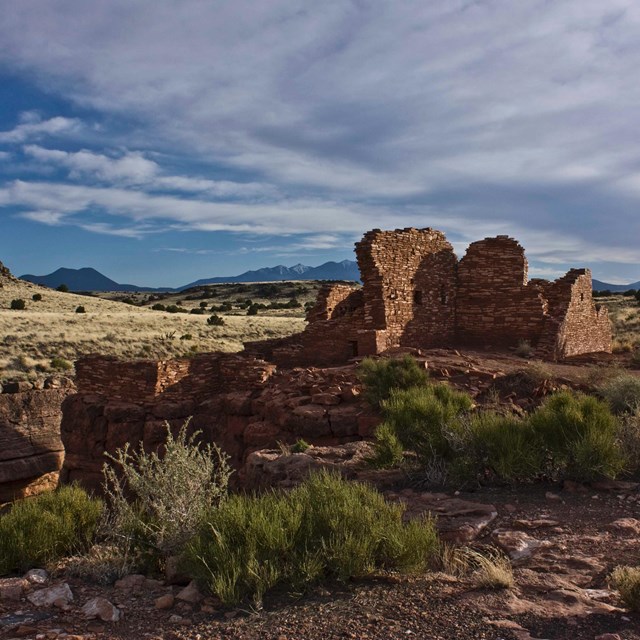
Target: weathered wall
[(253, 408), (495, 305), (416, 294), (31, 451), (575, 324), (409, 288)]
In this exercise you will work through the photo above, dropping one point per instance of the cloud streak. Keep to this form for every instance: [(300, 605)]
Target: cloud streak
[(472, 116)]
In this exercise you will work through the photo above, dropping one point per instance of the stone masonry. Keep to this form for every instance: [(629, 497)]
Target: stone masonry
[(416, 294)]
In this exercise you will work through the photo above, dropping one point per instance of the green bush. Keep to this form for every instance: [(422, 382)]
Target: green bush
[(622, 393), (157, 503), (215, 321), (18, 304), (47, 527), (381, 375), (253, 310), (60, 364), (388, 450), (627, 581), (325, 528), (503, 445), (300, 446), (423, 417), (62, 287), (579, 433), (36, 297), (80, 309), (159, 307)]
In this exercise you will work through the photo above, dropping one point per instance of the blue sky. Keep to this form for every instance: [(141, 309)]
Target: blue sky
[(162, 142)]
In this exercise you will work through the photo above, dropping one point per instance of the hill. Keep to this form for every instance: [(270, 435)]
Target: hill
[(88, 279), (605, 286)]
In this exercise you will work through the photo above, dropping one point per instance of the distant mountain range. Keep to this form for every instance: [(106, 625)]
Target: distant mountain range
[(88, 279), (605, 286)]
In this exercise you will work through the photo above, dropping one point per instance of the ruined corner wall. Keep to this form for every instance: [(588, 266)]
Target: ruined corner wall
[(495, 305), (575, 324), (31, 451), (409, 288)]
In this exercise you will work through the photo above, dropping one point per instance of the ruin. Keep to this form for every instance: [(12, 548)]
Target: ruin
[(417, 294)]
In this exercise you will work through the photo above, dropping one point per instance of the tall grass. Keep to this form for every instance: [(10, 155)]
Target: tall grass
[(382, 375), (39, 530), (325, 528)]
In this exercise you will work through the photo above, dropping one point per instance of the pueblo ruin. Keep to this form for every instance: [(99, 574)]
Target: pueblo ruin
[(417, 294)]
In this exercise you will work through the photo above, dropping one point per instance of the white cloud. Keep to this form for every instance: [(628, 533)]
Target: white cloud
[(33, 128), (498, 116)]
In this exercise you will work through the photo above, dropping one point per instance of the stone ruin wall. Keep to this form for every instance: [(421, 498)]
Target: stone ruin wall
[(409, 286), (416, 294), (31, 450), (242, 404), (496, 305)]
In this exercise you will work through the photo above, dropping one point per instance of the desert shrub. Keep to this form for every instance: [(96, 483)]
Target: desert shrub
[(62, 287), (44, 528), (197, 311), (422, 417), (203, 304), (60, 364), (155, 504), (159, 307), (629, 439), (80, 309), (579, 433), (253, 310), (174, 308), (627, 581), (215, 320), (18, 304), (387, 448), (622, 393), (381, 375), (36, 297), (524, 349), (502, 445), (325, 528), (300, 446)]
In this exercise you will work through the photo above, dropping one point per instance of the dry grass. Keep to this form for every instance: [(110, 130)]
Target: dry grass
[(489, 568), (627, 581), (31, 339)]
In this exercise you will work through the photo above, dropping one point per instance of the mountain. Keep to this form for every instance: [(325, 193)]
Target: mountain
[(605, 286), (86, 279), (89, 279), (345, 270)]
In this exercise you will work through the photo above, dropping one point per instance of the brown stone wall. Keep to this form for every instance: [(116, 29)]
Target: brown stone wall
[(408, 285), (321, 406), (495, 305), (575, 324), (31, 451)]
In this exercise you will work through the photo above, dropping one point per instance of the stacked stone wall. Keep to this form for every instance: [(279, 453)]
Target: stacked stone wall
[(495, 305), (409, 287)]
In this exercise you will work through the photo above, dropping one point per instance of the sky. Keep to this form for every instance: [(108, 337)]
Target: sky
[(161, 142)]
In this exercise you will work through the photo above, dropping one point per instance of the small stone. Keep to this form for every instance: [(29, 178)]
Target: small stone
[(133, 582), (12, 588), (36, 576), (175, 619), (165, 602), (101, 608), (59, 594), (549, 495), (190, 593), (23, 630)]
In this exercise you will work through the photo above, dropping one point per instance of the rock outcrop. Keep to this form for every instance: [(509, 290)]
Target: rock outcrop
[(31, 450)]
